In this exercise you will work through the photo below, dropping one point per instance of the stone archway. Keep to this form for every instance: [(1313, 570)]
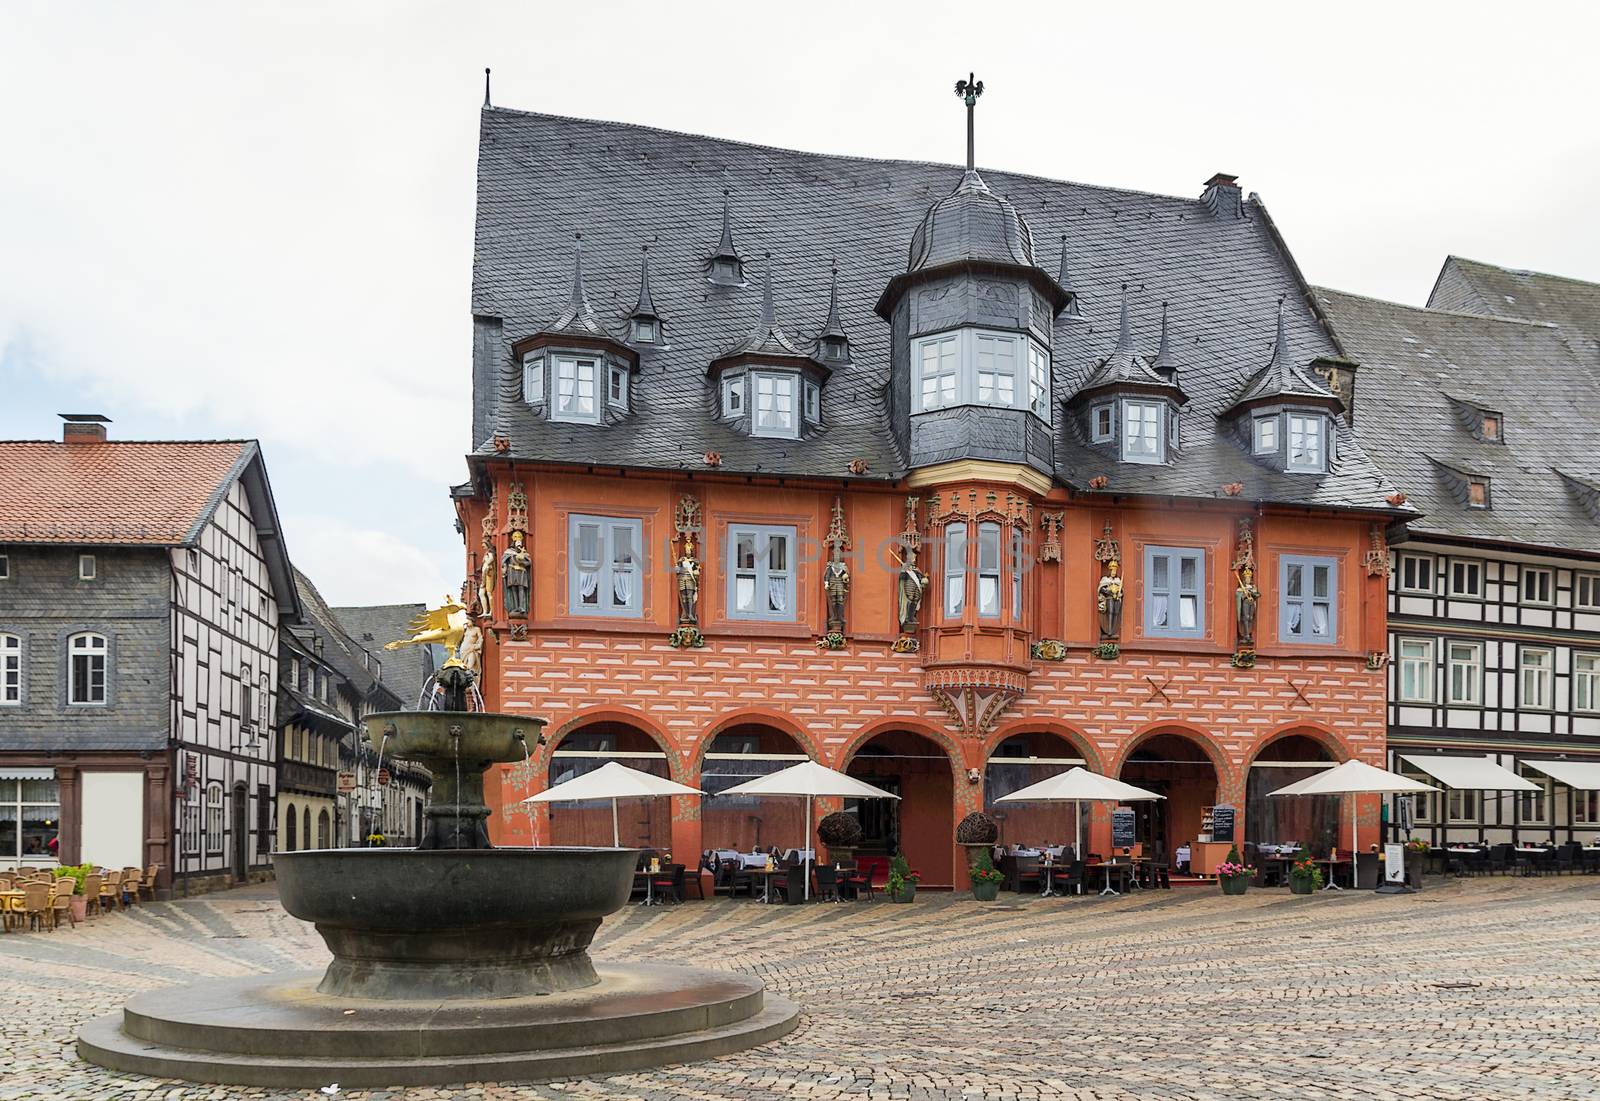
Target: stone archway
[(643, 823), (1311, 820), (745, 823), (921, 824), (1176, 765), (1026, 758)]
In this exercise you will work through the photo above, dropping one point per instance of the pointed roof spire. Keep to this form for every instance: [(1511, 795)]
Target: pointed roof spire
[(726, 265), (768, 339), (1126, 368), (486, 86), (1070, 311), (1282, 376), (833, 326), (646, 306), (578, 317), (1124, 330), (1164, 364)]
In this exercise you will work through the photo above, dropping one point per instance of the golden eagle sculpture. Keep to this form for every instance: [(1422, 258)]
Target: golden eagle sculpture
[(444, 625)]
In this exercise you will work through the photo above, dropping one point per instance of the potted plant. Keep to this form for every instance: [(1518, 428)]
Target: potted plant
[(977, 833), (376, 840), (78, 873), (1305, 876), (1233, 874), (985, 877), (841, 832), (901, 885), (1416, 856)]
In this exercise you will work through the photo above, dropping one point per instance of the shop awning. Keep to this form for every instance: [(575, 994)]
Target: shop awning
[(1469, 773), (27, 773), (1582, 775)]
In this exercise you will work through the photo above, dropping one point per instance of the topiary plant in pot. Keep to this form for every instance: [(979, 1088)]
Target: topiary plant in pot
[(841, 832), (977, 833)]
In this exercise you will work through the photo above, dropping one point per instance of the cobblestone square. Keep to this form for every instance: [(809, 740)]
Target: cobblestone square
[(1486, 988)]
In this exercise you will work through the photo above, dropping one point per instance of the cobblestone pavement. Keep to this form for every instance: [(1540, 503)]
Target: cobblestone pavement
[(1478, 989)]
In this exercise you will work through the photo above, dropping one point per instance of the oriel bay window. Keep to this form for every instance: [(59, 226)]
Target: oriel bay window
[(1174, 592), (979, 367), (989, 570), (1307, 608), (603, 566), (761, 579), (1019, 558), (1141, 431), (86, 668)]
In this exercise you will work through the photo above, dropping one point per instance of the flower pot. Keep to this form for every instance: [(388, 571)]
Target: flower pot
[(1234, 884), (1301, 885), (80, 908), (908, 893), (986, 892)]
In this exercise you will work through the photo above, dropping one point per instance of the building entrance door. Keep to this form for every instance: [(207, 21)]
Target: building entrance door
[(879, 818), (241, 835)]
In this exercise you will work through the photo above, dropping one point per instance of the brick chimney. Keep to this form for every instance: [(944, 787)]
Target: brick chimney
[(83, 428), (1223, 197)]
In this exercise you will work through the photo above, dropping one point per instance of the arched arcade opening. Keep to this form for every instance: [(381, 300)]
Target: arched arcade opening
[(1175, 766), (920, 824), (746, 823), (1018, 762), (643, 823), (1310, 820)]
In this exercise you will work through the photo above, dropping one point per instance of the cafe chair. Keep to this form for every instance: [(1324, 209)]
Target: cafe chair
[(827, 884), (1028, 873), (1067, 877), (668, 882), (36, 910), (856, 882)]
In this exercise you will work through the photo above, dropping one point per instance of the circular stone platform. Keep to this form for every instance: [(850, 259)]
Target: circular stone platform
[(276, 1030)]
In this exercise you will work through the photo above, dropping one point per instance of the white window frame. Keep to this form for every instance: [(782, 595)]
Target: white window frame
[(1019, 552), (645, 330), (617, 387), (247, 692), (1530, 573), (607, 568), (1174, 590), (1466, 567), (1463, 806), (1420, 565), (1149, 415), (1467, 657), (1533, 807), (1038, 380), (990, 599), (94, 646), (1264, 434), (88, 569), (1586, 682), (1585, 808), (1307, 600), (761, 573), (1538, 675), (577, 374), (733, 395), (5, 567), (813, 401), (954, 567), (1414, 675), (10, 670), (784, 386), (1103, 432), (1312, 430), (533, 378), (1586, 592), (996, 381), (936, 381), (215, 832)]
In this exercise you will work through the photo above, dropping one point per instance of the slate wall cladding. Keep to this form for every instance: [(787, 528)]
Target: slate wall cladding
[(45, 602), (488, 353)]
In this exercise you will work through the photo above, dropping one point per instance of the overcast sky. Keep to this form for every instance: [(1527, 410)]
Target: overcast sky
[(255, 220)]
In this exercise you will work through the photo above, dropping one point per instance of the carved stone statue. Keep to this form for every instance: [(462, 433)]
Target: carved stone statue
[(1108, 602), (836, 584), (688, 571), (1245, 599), (516, 571), (912, 585), (471, 649)]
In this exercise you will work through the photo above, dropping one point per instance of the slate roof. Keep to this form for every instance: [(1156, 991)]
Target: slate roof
[(1125, 367), (542, 179), (1419, 366), (404, 670), (1471, 286), (342, 652), (150, 493), (1284, 377)]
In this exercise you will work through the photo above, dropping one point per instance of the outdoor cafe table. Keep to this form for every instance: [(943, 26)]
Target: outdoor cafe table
[(766, 875), (12, 902), (1105, 867), (649, 885)]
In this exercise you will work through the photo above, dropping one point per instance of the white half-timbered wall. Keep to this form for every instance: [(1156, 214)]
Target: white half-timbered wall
[(1450, 602), (224, 677)]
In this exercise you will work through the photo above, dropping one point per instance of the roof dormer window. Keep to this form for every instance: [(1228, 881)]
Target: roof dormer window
[(835, 349), (727, 272), (733, 396), (1490, 427), (1478, 493), (645, 330), (1308, 443), (617, 388), (1103, 423), (776, 403), (813, 402), (533, 379), (1142, 436), (1265, 434)]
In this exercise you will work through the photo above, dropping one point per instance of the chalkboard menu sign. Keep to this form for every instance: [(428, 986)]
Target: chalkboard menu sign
[(1222, 823), (1122, 828)]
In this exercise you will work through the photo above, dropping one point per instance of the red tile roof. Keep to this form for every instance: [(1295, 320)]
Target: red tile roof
[(140, 492)]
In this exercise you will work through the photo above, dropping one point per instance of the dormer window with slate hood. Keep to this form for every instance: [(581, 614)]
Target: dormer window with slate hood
[(573, 369), (1284, 414), (725, 267), (1486, 425), (833, 344), (1128, 406), (765, 384), (644, 324)]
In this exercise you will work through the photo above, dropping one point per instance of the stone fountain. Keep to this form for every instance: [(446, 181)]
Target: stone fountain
[(452, 962)]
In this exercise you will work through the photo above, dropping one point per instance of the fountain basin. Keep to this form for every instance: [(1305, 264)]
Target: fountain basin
[(412, 924)]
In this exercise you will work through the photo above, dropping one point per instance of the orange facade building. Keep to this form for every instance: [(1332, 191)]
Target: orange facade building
[(1104, 511)]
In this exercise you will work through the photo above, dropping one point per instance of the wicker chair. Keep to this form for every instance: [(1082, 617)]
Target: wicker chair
[(111, 890), (61, 904), (36, 905), (91, 894), (132, 880)]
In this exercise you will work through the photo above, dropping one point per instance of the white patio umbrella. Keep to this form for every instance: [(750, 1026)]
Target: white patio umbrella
[(1079, 785), (1354, 778), (612, 781), (809, 780)]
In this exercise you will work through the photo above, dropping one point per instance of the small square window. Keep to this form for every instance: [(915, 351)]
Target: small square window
[(1266, 435), (1477, 494), (5, 567), (644, 330), (1585, 592), (1103, 424), (733, 396), (1466, 579), (1416, 573), (86, 567), (1491, 427), (1536, 586)]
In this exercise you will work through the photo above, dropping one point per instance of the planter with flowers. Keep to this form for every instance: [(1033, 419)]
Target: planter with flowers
[(77, 873), (1305, 876), (376, 840), (985, 877), (901, 886), (1416, 856), (1234, 875)]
